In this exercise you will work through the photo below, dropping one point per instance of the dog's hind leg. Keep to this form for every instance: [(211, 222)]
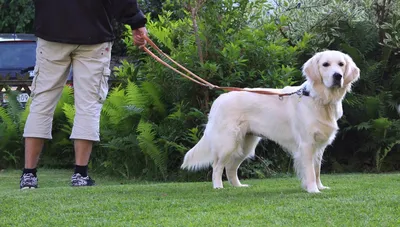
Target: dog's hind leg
[(218, 169), (249, 145), (232, 168), (222, 154), (317, 163), (224, 148)]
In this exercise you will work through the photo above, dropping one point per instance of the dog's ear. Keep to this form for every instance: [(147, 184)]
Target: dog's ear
[(352, 72), (311, 69)]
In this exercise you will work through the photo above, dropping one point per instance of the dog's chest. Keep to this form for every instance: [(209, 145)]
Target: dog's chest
[(324, 132), (325, 125)]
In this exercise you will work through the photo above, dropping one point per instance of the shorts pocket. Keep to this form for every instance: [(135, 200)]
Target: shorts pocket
[(103, 87), (35, 76)]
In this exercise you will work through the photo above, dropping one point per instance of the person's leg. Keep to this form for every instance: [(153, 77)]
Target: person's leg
[(51, 71), (91, 70), (33, 148), (83, 149)]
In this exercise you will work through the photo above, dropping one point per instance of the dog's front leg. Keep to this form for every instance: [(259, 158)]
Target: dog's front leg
[(317, 162), (304, 163)]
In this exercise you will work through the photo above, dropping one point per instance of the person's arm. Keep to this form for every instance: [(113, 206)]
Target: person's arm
[(128, 12)]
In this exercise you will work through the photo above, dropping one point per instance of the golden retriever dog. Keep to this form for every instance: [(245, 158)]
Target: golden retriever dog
[(303, 123)]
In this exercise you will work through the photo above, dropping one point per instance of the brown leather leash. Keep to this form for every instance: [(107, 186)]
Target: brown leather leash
[(194, 77)]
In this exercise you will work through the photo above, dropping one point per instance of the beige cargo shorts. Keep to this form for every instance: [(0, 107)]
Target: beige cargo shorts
[(90, 66)]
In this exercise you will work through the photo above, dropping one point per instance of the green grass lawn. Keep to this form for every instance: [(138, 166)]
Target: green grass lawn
[(353, 200)]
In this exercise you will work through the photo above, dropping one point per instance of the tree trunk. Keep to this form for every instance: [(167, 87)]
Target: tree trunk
[(204, 90)]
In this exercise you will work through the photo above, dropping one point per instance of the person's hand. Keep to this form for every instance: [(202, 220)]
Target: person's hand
[(138, 34)]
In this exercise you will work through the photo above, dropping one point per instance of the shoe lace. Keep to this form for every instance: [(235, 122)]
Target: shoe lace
[(79, 177), (87, 178), (28, 178)]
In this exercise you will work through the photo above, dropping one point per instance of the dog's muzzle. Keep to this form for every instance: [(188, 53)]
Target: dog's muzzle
[(337, 80)]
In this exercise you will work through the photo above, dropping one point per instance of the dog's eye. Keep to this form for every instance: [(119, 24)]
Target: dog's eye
[(341, 64), (326, 64)]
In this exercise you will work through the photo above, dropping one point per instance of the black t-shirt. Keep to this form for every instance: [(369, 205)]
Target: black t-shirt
[(84, 21)]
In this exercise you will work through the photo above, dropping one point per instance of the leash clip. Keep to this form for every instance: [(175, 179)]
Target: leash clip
[(210, 86), (300, 92)]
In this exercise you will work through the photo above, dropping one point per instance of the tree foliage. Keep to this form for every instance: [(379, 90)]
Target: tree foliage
[(16, 16)]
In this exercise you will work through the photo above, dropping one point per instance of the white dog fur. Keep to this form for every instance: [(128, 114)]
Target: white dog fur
[(303, 125)]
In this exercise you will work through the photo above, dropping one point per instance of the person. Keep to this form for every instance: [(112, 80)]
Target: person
[(73, 34)]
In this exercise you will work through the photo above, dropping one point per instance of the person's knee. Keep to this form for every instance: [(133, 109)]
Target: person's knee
[(86, 127), (38, 125)]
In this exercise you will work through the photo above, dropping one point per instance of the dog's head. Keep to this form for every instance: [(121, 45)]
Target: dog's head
[(333, 69)]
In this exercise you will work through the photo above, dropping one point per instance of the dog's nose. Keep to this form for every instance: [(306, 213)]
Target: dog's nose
[(337, 76)]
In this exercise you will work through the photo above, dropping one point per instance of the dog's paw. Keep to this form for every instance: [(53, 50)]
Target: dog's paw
[(321, 187), (242, 185), (312, 189)]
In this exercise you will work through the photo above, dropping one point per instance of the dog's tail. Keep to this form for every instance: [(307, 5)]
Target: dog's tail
[(199, 157)]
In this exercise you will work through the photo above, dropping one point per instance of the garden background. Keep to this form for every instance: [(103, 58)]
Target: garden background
[(153, 116)]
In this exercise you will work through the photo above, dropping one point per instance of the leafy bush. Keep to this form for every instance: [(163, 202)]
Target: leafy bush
[(58, 152), (368, 31), (16, 16), (172, 109), (12, 121)]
